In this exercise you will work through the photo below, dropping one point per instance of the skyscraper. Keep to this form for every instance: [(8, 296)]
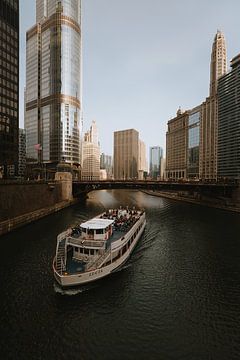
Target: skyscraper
[(91, 154), (209, 119), (193, 141), (176, 146), (142, 157), (229, 122), (155, 156), (218, 65), (53, 83), (106, 164), (9, 80), (126, 154)]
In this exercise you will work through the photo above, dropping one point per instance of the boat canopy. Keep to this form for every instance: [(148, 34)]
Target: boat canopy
[(95, 224)]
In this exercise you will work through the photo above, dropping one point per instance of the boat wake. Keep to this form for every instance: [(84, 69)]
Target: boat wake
[(148, 239), (73, 291)]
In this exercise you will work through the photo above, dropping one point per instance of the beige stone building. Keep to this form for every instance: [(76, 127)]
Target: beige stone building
[(209, 117), (126, 150), (176, 146), (191, 149), (142, 160), (91, 154)]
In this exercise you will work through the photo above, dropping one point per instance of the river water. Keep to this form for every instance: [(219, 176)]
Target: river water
[(178, 297)]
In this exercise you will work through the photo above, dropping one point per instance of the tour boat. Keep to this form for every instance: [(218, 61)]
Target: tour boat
[(96, 248)]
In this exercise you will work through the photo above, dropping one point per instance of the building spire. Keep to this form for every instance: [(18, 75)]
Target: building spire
[(218, 65)]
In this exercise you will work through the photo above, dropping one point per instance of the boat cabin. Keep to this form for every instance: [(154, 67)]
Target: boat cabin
[(97, 229)]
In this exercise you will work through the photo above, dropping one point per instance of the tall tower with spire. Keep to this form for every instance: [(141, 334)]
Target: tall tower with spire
[(53, 118), (218, 65), (209, 117)]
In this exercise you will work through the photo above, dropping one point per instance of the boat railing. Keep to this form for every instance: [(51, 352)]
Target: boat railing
[(64, 234), (86, 243), (88, 237), (63, 268), (97, 263)]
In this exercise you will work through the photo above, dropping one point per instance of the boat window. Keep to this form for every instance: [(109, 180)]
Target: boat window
[(91, 252), (90, 231), (76, 249), (86, 252), (99, 231), (83, 230)]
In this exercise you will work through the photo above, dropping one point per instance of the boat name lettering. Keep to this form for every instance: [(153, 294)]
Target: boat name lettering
[(96, 272)]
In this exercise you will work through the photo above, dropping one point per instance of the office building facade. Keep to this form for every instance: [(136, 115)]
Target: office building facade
[(91, 155), (209, 114), (229, 122), (126, 154), (176, 146), (9, 83), (53, 84), (142, 160), (193, 143), (106, 164), (155, 157)]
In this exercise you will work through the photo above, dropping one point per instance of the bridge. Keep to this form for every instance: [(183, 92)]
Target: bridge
[(214, 189)]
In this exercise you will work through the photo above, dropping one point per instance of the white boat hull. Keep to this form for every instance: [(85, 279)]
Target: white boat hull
[(67, 280)]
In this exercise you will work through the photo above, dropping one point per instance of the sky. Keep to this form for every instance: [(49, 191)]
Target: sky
[(142, 59)]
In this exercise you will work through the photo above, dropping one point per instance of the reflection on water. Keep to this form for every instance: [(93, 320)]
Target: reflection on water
[(177, 297)]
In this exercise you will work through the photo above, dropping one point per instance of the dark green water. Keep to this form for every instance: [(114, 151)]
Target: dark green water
[(178, 297)]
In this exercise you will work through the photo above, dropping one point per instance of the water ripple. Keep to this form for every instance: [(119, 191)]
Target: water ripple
[(177, 297)]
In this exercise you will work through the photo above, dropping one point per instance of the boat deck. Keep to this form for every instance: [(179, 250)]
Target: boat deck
[(77, 266), (120, 229), (116, 235), (74, 266)]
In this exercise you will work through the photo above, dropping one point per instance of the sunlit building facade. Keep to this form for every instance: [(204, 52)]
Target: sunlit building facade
[(9, 82), (176, 146), (91, 154), (209, 114), (142, 160), (53, 83), (126, 149)]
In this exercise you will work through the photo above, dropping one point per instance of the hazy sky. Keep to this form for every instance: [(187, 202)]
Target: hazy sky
[(142, 59)]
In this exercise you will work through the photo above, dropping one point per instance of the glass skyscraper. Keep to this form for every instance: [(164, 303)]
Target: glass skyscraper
[(53, 83), (156, 154), (9, 79), (193, 143)]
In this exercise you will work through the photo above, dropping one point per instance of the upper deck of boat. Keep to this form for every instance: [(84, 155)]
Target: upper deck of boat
[(121, 226)]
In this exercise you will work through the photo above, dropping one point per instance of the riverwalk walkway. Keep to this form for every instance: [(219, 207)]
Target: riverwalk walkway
[(203, 202)]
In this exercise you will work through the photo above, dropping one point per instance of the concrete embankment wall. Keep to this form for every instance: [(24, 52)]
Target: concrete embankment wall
[(22, 203), (18, 221), (18, 199)]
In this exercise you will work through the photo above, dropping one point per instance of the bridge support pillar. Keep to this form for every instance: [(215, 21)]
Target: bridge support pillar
[(65, 178)]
